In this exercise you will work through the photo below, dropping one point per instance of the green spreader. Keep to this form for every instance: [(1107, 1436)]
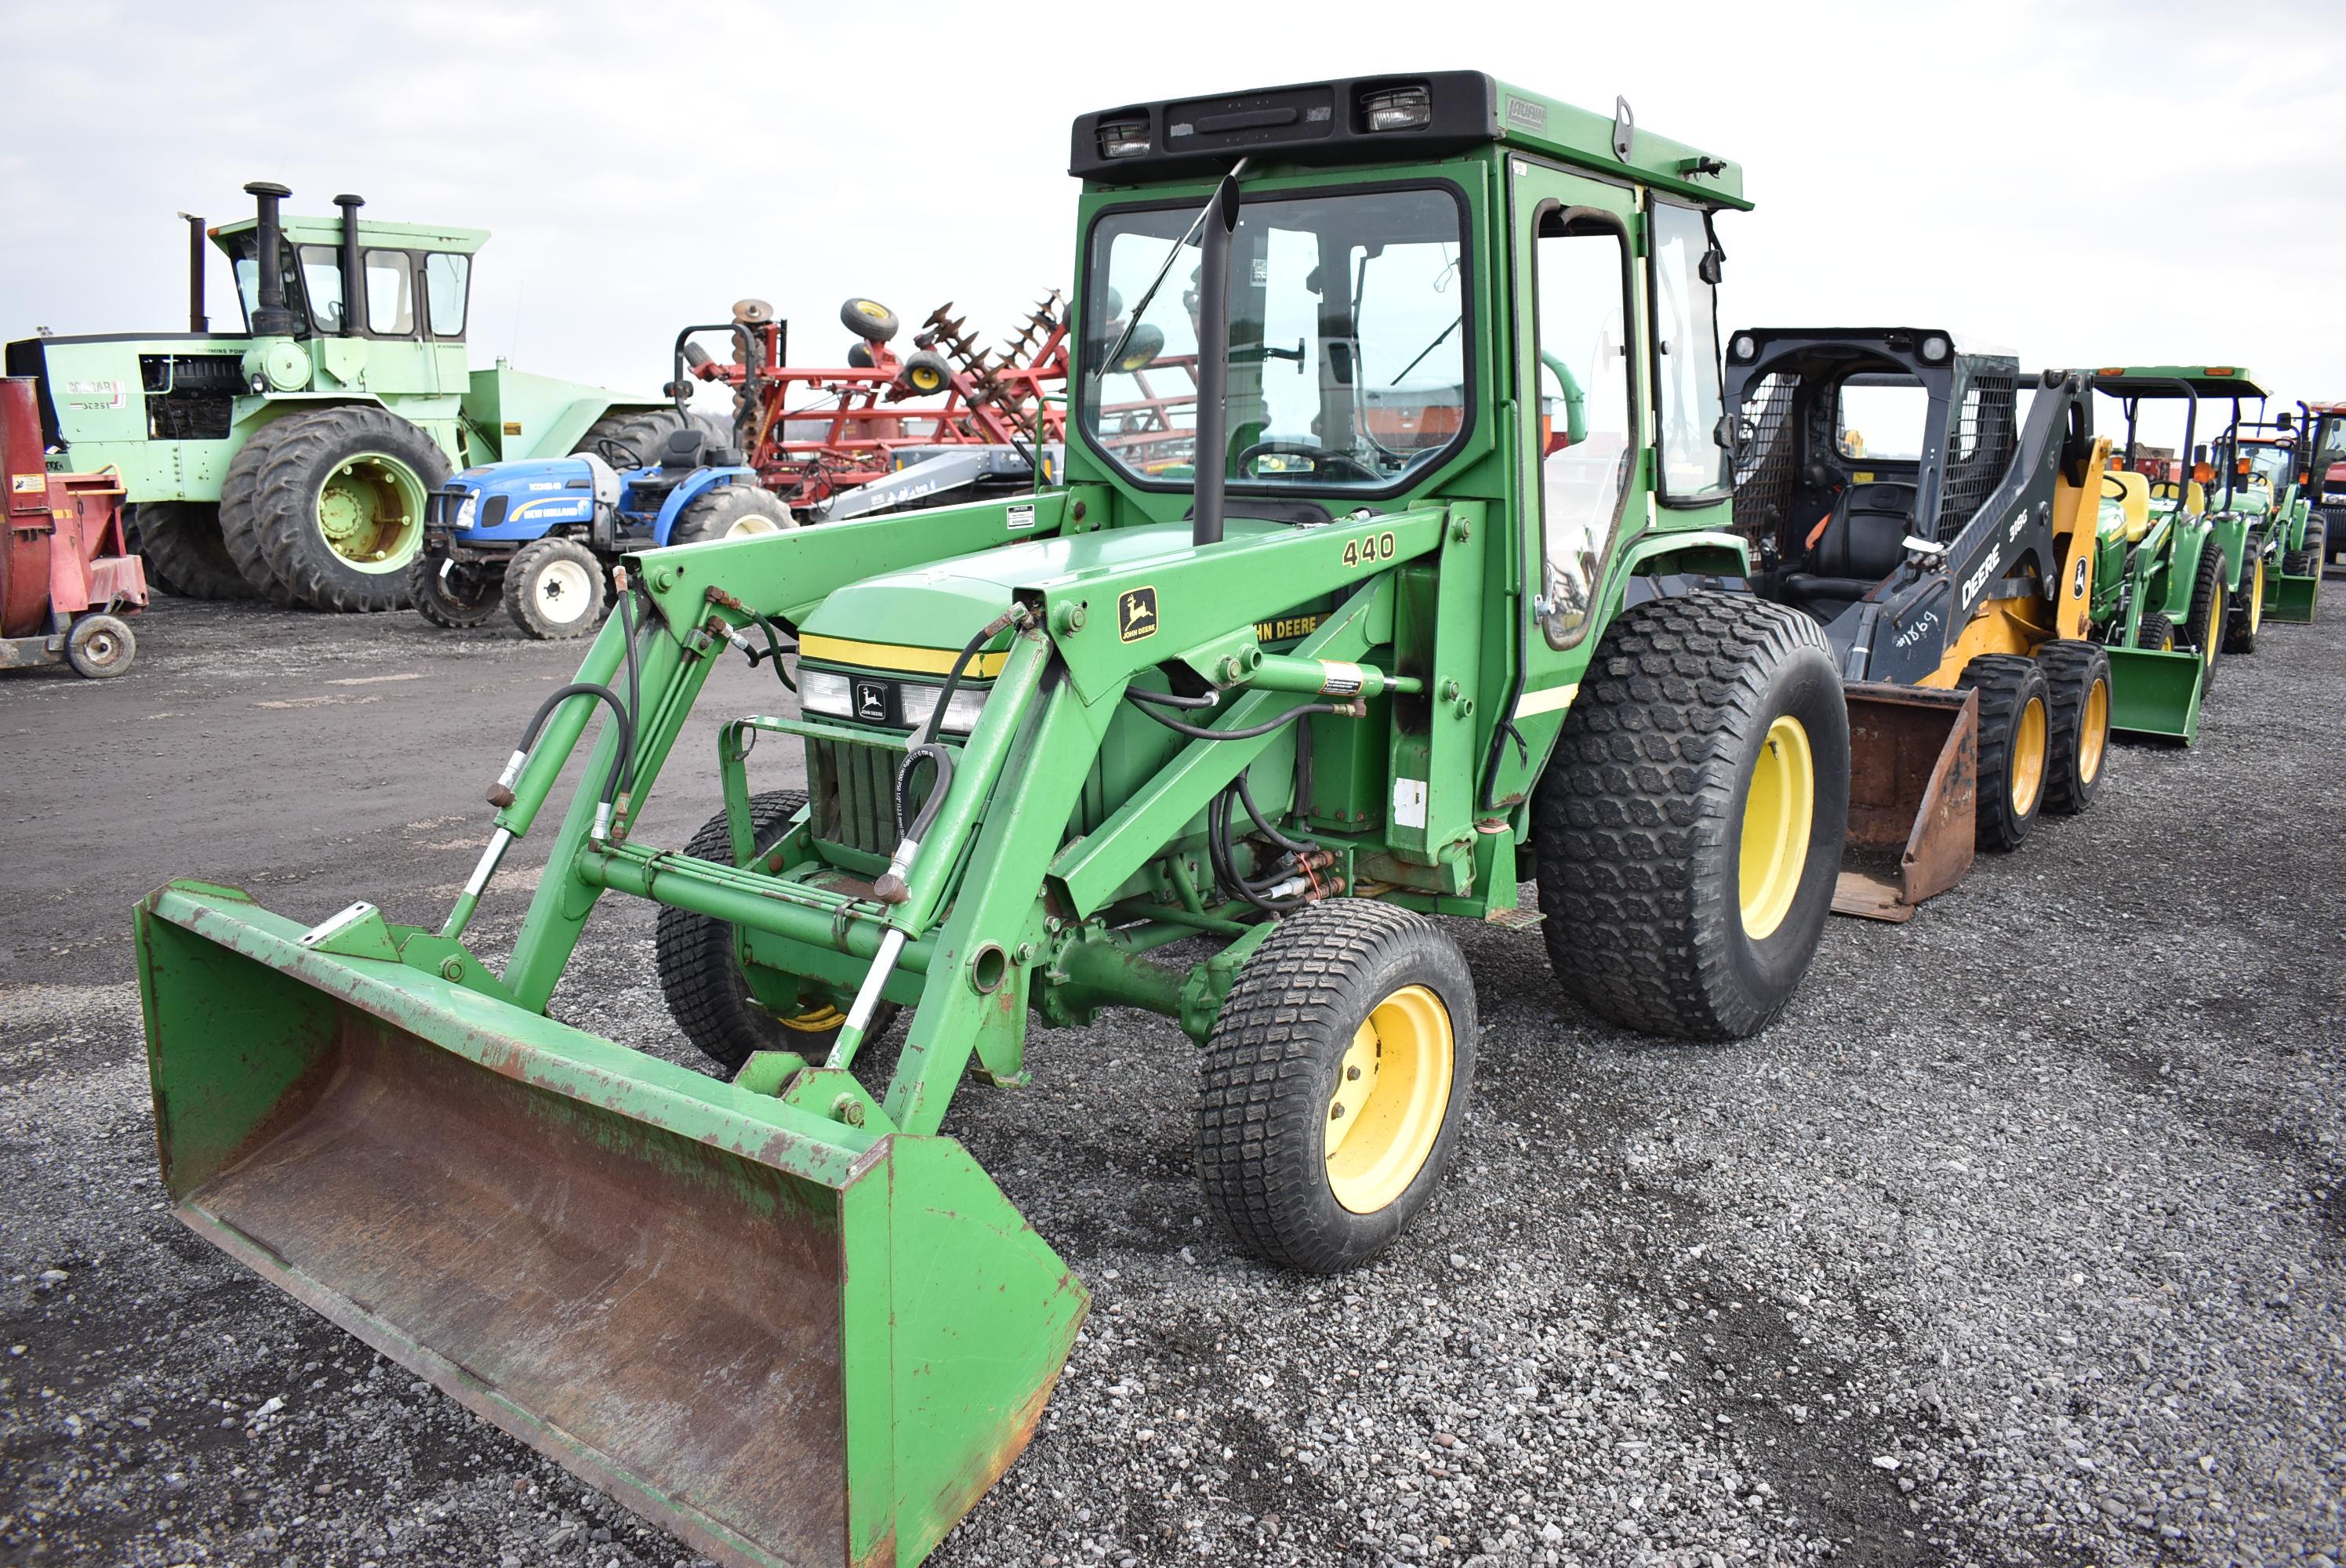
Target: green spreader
[(1381, 579)]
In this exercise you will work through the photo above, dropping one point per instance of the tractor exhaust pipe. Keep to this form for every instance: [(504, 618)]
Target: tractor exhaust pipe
[(270, 319), (197, 322), (1214, 361), (352, 279)]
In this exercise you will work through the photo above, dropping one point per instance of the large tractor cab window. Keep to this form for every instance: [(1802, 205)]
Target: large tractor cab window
[(313, 280), (1685, 271), (1348, 343)]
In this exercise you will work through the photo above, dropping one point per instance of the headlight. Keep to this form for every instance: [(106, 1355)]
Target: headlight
[(1123, 138), (820, 691), (1399, 108), (1935, 348), (918, 700), (1746, 346), (468, 510)]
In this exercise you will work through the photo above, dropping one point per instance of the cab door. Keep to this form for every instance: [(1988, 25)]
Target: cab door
[(1578, 366)]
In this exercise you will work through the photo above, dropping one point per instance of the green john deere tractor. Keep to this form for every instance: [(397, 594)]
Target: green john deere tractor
[(2257, 463), (292, 461), (1278, 683)]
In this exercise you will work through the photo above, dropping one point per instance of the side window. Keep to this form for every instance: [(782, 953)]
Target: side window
[(390, 293), (446, 275), (1686, 326), (1588, 432), (321, 278)]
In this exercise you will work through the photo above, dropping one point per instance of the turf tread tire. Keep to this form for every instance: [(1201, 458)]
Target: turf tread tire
[(521, 605), (2071, 670), (1270, 1069), (1637, 820), (2199, 631), (2157, 632), (2239, 631), (700, 973), (2005, 683), (185, 556), (270, 492)]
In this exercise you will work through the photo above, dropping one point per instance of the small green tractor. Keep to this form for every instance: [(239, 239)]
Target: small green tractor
[(2260, 465), (1231, 726), (293, 461)]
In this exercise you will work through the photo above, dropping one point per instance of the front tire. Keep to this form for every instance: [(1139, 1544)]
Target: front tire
[(2203, 627), (1334, 1084), (555, 588), (2246, 615), (100, 648), (701, 970), (185, 554), (334, 498), (1689, 827), (455, 595), (730, 512), (2078, 682), (2016, 728)]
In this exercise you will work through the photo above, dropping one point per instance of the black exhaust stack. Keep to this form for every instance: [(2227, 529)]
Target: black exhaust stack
[(270, 319), (197, 322), (353, 281), (1213, 362)]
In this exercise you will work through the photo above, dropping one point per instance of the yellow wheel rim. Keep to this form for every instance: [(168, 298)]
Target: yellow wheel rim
[(2212, 634), (2028, 756), (2096, 739), (1776, 814), (2257, 598), (872, 308), (1392, 1090), (816, 1021)]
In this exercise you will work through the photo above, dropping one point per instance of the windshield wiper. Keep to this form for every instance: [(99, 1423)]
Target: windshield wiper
[(1132, 321), (1455, 323)]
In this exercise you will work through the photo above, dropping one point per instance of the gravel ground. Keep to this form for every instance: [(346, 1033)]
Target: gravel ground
[(2018, 1240)]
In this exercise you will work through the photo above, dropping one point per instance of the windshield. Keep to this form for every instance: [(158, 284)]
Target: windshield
[(2269, 466), (1347, 344)]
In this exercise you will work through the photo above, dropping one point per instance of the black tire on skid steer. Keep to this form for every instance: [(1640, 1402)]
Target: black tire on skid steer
[(728, 511), (642, 436), (1349, 1006), (2202, 630), (2244, 618), (556, 588), (1639, 823), (275, 493), (2077, 680), (185, 553), (2015, 745), (455, 595), (700, 972)]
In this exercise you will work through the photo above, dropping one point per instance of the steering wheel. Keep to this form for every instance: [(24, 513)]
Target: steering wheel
[(1323, 460), (617, 453)]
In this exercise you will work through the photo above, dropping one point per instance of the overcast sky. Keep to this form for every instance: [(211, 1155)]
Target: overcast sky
[(2087, 183)]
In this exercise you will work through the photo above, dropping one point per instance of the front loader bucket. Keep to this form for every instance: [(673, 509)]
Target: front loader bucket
[(2156, 694), (789, 1341), (1914, 782), (2292, 598)]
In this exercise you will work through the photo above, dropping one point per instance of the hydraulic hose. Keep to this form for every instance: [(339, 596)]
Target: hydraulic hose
[(1196, 733)]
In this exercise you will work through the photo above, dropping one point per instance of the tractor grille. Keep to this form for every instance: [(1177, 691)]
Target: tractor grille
[(852, 789), (190, 397), (1767, 463), (1986, 436)]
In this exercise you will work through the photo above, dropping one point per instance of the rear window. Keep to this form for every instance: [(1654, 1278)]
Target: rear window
[(1883, 417)]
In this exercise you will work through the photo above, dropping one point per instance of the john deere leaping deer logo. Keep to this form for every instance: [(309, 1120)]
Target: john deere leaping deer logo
[(1136, 614)]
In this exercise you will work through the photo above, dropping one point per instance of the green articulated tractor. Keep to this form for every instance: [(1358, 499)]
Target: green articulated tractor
[(292, 461), (1231, 726)]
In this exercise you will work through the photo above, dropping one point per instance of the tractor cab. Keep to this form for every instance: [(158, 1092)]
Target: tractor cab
[(348, 276)]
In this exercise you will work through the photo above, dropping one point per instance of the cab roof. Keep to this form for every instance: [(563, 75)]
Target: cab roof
[(2161, 380), (329, 232), (1326, 122)]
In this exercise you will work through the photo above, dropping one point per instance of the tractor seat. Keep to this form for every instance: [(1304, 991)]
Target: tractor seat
[(2129, 495), (695, 448), (1863, 543)]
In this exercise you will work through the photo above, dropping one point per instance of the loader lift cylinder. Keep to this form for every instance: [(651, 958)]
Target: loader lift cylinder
[(353, 281), (270, 319)]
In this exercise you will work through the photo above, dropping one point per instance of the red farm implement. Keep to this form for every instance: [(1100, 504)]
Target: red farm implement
[(66, 574)]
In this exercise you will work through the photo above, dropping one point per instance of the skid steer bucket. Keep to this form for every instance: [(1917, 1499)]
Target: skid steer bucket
[(789, 1341), (1914, 782), (2155, 694)]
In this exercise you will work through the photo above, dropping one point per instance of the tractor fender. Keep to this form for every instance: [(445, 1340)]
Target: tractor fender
[(2191, 536), (696, 484), (440, 417), (1706, 553)]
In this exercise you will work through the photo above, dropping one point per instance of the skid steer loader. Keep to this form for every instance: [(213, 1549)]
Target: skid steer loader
[(1934, 512), (1378, 632)]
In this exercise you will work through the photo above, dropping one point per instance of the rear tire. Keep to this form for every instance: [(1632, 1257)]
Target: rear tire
[(555, 588), (2202, 630), (334, 499), (2077, 680), (700, 972), (642, 437), (1348, 1009), (455, 595), (100, 648), (185, 556), (2014, 744), (730, 512), (1703, 726)]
